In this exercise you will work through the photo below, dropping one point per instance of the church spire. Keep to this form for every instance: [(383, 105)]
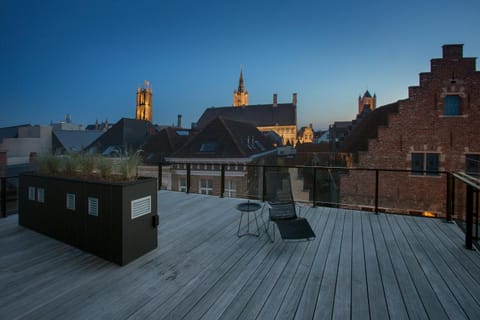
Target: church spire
[(240, 97), (241, 87)]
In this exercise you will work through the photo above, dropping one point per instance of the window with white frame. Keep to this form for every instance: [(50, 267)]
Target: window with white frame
[(182, 184), (230, 188), (205, 186)]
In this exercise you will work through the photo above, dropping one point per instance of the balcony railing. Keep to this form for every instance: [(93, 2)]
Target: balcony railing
[(376, 190), (451, 196), (436, 194)]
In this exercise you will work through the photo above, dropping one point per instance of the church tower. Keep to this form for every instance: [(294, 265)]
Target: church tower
[(144, 103), (240, 96), (367, 102)]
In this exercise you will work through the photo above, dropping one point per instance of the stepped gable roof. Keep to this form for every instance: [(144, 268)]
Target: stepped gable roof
[(73, 140), (261, 115), (163, 143), (126, 135), (367, 129), (225, 138)]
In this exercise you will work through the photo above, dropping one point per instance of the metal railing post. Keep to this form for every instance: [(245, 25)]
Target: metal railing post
[(376, 191), (314, 187), (4, 197), (469, 218), (222, 180), (264, 185), (449, 197), (159, 176), (188, 177), (475, 210)]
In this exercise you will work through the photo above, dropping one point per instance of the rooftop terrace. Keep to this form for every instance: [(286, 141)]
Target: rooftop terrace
[(360, 266)]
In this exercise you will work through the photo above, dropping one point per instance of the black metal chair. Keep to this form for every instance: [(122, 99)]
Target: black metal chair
[(282, 209)]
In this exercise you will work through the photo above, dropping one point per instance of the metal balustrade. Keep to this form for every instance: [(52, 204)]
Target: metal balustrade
[(454, 196)]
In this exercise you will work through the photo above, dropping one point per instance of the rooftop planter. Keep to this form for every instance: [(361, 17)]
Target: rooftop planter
[(111, 216)]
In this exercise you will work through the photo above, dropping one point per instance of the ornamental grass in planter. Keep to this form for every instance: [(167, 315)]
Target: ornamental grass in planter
[(96, 204)]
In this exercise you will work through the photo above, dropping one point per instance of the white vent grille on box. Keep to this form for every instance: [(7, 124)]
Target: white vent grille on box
[(71, 201), (31, 193), (93, 206), (141, 207), (41, 195)]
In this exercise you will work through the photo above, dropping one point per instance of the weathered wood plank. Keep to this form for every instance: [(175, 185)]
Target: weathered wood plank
[(360, 266), (306, 305), (376, 295), (326, 295), (393, 295), (437, 282), (342, 302), (410, 296), (452, 273), (288, 307), (428, 297), (292, 275), (359, 278)]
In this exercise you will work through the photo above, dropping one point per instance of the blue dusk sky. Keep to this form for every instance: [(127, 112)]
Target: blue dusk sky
[(86, 58)]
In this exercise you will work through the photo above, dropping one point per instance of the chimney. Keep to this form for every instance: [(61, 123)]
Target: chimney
[(179, 121), (452, 51), (275, 100), (294, 99)]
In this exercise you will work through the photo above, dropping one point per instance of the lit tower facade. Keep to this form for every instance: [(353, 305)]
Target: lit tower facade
[(367, 102), (144, 102), (240, 96)]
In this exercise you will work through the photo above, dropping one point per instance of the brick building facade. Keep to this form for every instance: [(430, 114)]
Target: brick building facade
[(435, 129)]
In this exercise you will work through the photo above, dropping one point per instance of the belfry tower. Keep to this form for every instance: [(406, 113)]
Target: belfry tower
[(367, 102), (144, 103), (240, 96)]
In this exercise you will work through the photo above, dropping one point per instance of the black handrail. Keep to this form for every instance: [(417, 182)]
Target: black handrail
[(314, 169), (471, 205)]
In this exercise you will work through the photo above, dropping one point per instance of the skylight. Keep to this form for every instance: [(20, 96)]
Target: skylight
[(208, 147)]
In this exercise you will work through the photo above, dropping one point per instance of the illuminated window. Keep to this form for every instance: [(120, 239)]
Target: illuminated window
[(205, 186), (208, 147), (451, 106), (182, 185), (230, 188)]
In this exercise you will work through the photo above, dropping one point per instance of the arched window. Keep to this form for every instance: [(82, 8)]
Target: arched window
[(451, 106)]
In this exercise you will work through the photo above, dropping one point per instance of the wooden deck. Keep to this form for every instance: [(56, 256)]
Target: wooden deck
[(360, 266)]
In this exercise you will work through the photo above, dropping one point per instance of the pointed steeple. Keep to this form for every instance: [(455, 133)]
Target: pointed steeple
[(241, 87), (240, 96)]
